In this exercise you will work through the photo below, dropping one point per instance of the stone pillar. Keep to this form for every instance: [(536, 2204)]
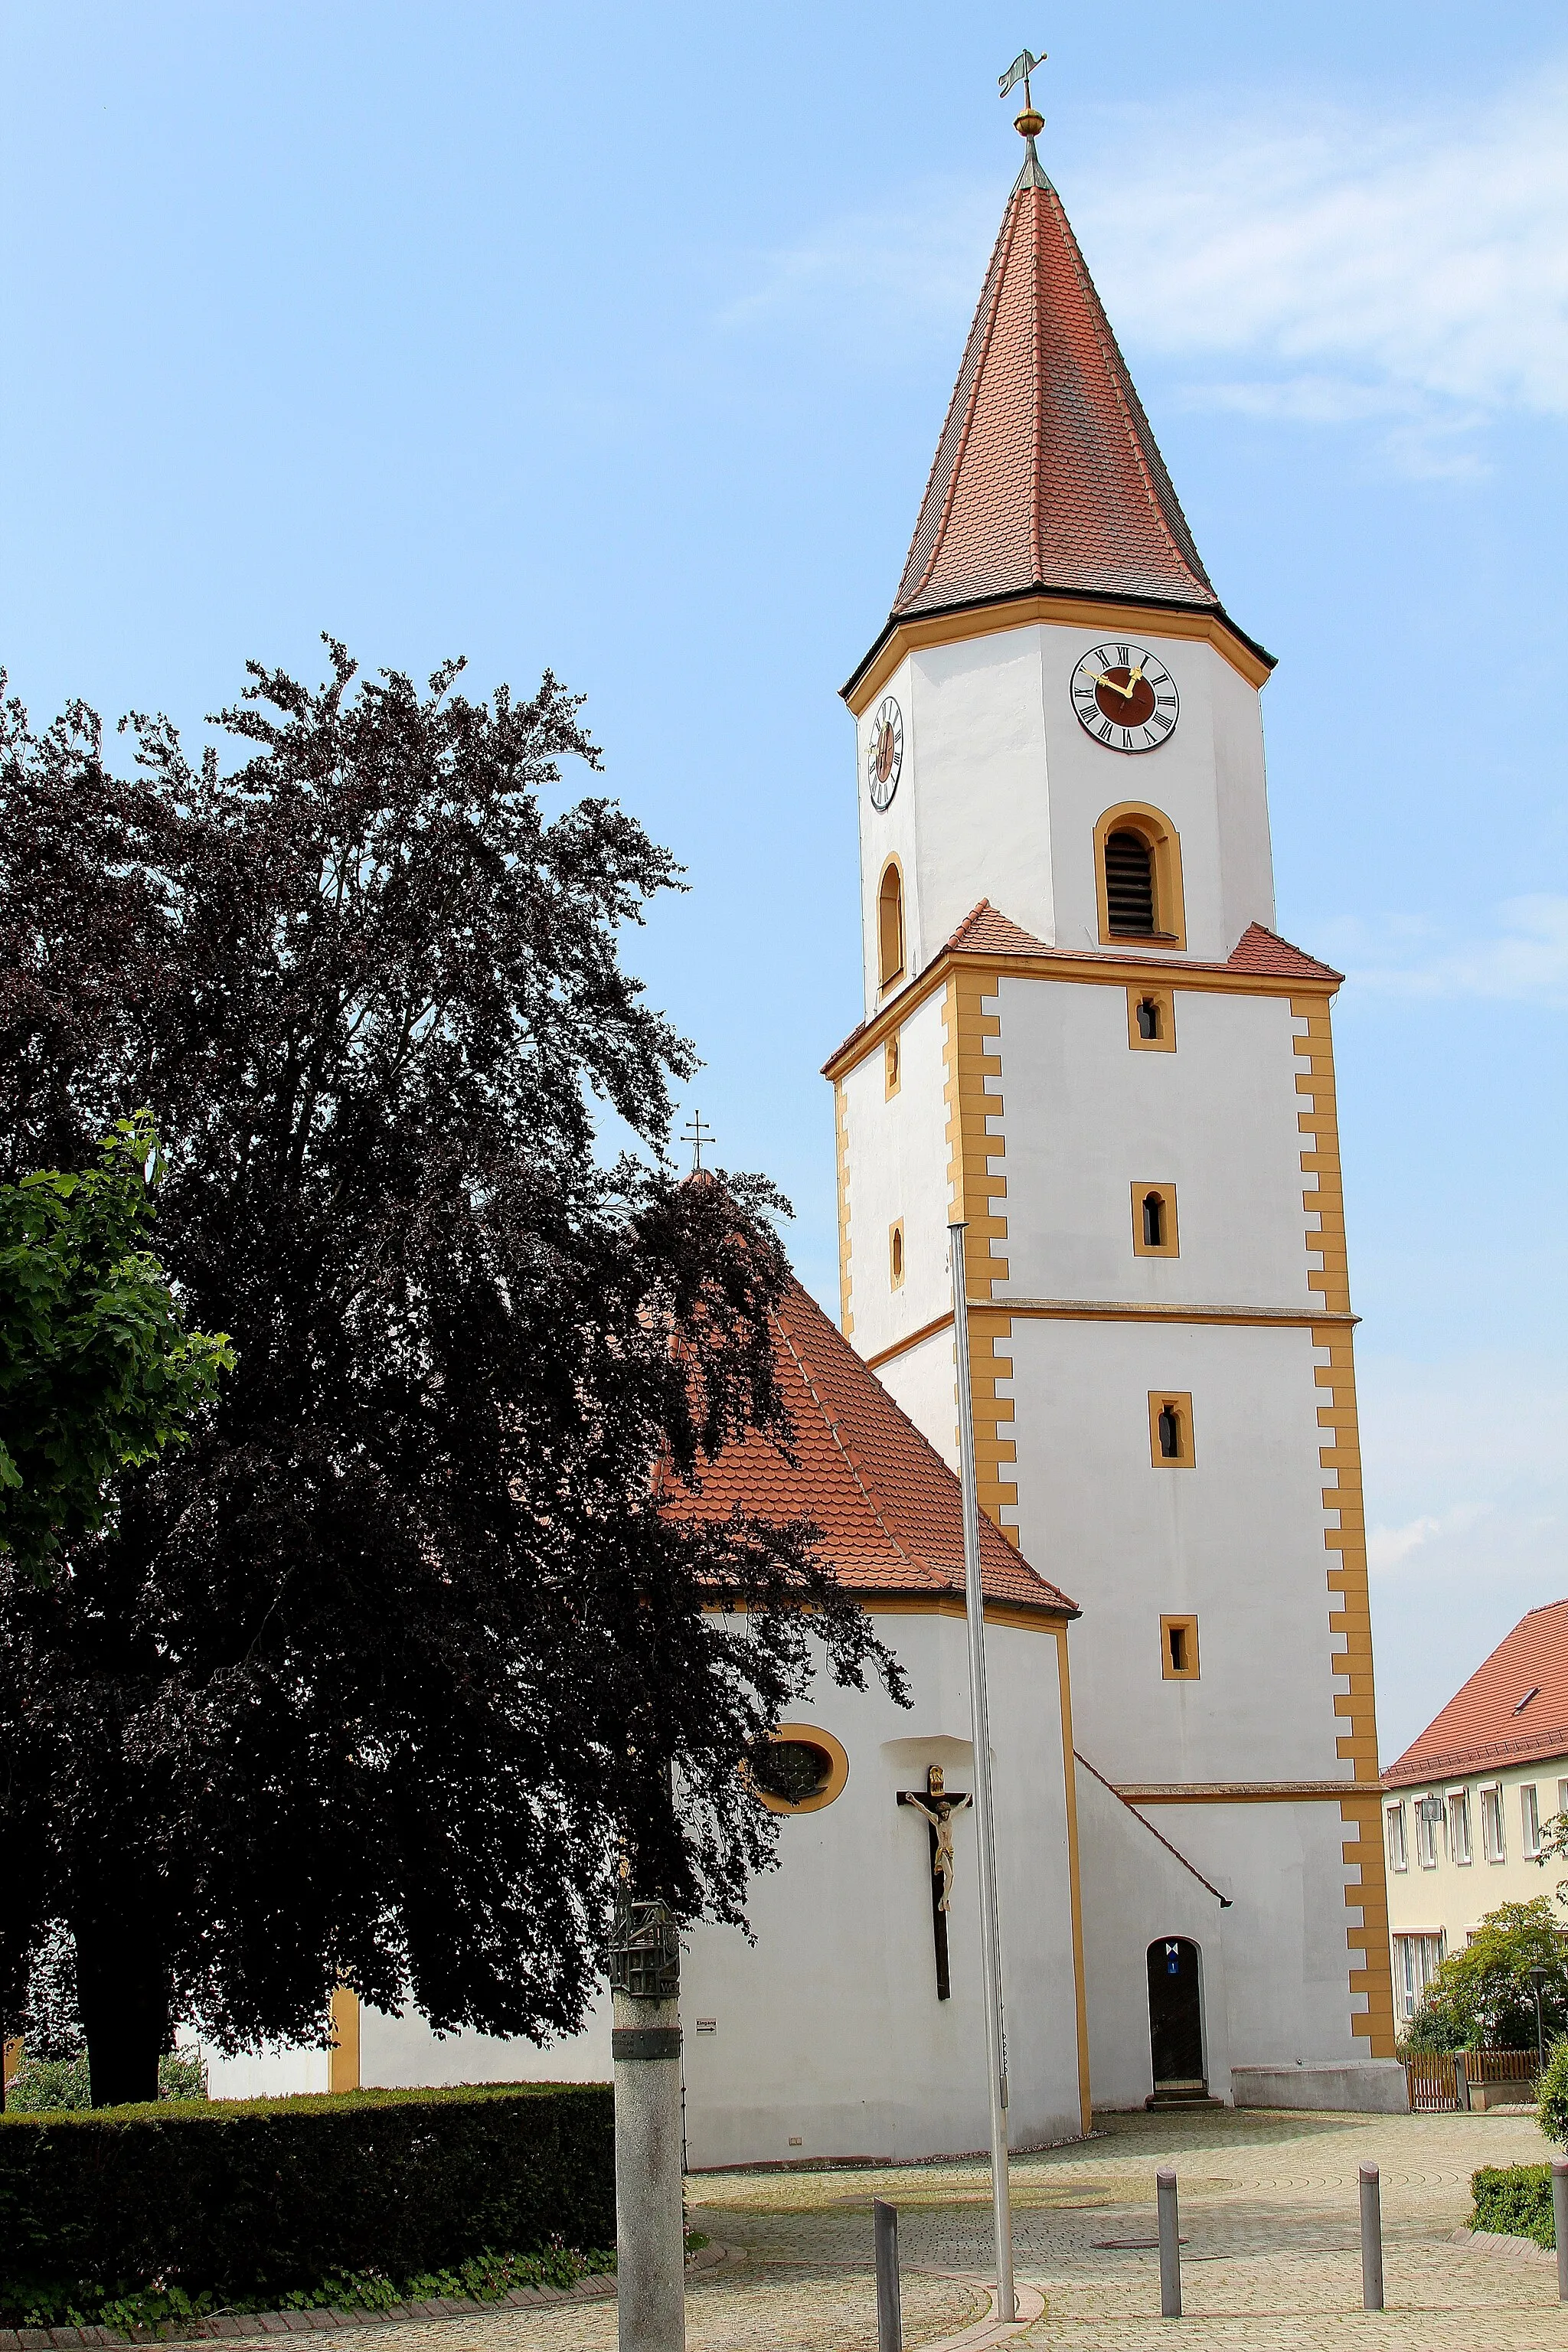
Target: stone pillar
[(650, 2221)]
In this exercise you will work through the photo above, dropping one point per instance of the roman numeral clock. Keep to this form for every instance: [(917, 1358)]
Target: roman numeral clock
[(1125, 698)]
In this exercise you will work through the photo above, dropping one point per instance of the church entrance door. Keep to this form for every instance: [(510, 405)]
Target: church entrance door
[(1176, 2020)]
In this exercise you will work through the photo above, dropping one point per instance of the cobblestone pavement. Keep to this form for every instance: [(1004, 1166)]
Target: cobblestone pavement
[(1271, 2258)]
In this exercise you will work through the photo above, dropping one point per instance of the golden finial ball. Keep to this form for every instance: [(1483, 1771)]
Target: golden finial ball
[(1029, 125)]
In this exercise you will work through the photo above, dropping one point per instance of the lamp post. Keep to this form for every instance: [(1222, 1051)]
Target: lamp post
[(644, 1983), (979, 1724)]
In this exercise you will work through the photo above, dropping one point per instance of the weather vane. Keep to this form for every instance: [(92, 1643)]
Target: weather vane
[(697, 1132), (1031, 120)]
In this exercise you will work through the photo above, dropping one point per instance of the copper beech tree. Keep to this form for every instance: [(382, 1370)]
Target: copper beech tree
[(373, 1679)]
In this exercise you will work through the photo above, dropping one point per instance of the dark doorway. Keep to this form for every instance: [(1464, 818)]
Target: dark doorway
[(1175, 2016)]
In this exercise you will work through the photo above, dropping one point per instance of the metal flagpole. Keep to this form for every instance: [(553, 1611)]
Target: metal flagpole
[(979, 1726)]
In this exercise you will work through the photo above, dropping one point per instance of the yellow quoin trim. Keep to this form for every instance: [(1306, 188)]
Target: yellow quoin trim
[(1352, 1620), (970, 1057), (1069, 1775), (841, 1123), (344, 2061)]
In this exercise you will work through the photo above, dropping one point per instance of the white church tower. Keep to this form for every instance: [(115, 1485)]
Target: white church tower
[(1082, 1032)]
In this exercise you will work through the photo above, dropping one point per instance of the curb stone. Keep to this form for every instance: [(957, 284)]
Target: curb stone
[(1486, 2241), (597, 2287)]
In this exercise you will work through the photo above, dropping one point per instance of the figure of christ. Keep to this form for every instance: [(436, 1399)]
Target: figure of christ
[(937, 1807)]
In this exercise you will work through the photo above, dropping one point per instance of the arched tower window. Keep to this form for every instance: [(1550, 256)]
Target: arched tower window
[(1128, 885), (891, 926), (1153, 1221), (1138, 882)]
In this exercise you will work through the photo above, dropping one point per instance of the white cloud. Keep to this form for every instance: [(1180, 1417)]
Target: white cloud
[(1407, 273), (1390, 1548), (1525, 959)]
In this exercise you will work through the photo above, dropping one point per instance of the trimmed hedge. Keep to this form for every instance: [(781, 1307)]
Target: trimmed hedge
[(1514, 2200), (264, 2195)]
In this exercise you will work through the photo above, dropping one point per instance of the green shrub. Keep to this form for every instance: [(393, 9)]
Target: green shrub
[(267, 2196), (40, 2084), (1551, 2099), (1515, 2201)]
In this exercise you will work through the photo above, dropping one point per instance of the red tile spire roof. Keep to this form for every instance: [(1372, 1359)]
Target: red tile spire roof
[(889, 1509), (1046, 475), (1514, 1709)]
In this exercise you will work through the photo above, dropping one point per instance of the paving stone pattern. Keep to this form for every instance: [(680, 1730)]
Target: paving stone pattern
[(1271, 2264)]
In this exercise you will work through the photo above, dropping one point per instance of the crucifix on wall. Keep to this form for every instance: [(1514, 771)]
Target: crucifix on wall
[(938, 1805)]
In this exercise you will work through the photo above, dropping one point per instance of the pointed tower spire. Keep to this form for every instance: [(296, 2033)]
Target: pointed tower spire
[(1046, 477)]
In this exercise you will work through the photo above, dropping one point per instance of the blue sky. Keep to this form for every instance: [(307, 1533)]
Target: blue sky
[(618, 339)]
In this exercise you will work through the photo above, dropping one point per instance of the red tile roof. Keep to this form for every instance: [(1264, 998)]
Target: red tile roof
[(986, 931), (1484, 1724), (1046, 475), (1266, 952), (889, 1508)]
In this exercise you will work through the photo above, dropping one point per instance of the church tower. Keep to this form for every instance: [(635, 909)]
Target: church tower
[(1083, 1035)]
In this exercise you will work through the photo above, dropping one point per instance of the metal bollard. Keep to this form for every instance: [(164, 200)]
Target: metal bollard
[(889, 2317), (1170, 2247), (1559, 2222), (1371, 2239), (1462, 2084)]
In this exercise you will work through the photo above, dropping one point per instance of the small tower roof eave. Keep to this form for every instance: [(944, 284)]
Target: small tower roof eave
[(1048, 482)]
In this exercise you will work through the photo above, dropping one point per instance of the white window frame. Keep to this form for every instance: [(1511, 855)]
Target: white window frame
[(1530, 1840), (1494, 1828), (1457, 1808), (1418, 1955), (1398, 1842), (1430, 1817)]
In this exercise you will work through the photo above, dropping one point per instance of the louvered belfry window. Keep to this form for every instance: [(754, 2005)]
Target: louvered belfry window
[(1129, 883)]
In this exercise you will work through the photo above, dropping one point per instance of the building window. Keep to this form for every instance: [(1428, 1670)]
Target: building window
[(1428, 1829), (1416, 1959), (1398, 1851), (894, 1070), (1459, 1825), (1155, 1220), (1171, 1431), (1150, 1020), (1179, 1649), (1529, 1822), (798, 1770), (890, 925), (1494, 1843), (1138, 877), (895, 1254)]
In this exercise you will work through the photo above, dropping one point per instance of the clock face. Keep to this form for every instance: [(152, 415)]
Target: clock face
[(885, 752), (1125, 698)]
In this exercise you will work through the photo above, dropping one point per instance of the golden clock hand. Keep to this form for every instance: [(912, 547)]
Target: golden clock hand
[(1101, 678)]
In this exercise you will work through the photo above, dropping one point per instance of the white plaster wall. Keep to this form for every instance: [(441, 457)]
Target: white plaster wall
[(891, 833), (923, 1381), (1002, 789), (1179, 779), (1285, 1936), (1088, 1116), (1246, 857), (897, 1167), (403, 2052), (1239, 1539), (279, 2070), (828, 2030), (1135, 1891)]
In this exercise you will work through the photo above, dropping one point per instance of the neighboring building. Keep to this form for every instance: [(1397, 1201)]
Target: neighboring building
[(1082, 1037), (1467, 1806)]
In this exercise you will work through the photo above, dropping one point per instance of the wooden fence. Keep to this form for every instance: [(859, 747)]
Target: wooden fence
[(1441, 2082)]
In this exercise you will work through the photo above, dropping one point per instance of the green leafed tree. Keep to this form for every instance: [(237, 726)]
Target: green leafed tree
[(376, 1679), (1483, 1996), (98, 1370)]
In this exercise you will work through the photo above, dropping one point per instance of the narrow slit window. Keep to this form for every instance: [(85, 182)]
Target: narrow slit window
[(894, 1073), (891, 926), (1129, 885), (1153, 1221), (1148, 1018), (1151, 1019), (1179, 1649), (895, 1254), (1171, 1431)]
